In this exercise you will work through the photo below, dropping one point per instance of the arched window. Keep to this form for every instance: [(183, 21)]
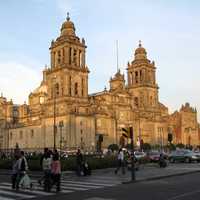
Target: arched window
[(82, 83), (56, 89), (136, 103), (141, 76), (136, 77), (75, 57), (151, 100), (59, 57), (76, 88), (70, 86)]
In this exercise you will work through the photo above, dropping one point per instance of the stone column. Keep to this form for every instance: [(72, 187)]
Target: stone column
[(83, 58), (55, 59), (80, 58), (66, 55), (72, 55)]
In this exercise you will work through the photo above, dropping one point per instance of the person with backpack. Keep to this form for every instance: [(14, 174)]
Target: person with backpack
[(56, 171)]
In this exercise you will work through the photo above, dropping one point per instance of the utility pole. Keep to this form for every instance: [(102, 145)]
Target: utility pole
[(133, 156), (128, 133), (54, 113), (61, 126)]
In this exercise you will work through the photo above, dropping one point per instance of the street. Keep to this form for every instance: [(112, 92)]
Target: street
[(185, 187), (104, 184)]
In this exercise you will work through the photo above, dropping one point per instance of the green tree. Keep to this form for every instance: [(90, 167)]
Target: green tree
[(171, 147), (180, 145), (156, 146), (146, 147), (113, 147)]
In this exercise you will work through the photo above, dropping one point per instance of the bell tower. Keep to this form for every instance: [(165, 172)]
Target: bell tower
[(142, 84), (68, 73)]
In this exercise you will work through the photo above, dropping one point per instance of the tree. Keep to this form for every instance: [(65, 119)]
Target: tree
[(113, 147), (180, 145), (156, 146), (146, 147), (171, 147)]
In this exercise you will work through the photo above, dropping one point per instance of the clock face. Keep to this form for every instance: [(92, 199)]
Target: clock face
[(41, 100)]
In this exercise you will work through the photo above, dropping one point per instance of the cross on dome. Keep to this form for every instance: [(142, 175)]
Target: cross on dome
[(140, 43), (68, 18)]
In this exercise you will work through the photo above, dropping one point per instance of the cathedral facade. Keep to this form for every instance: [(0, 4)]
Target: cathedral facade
[(60, 112)]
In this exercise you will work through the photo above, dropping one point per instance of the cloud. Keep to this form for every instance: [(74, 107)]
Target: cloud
[(18, 80)]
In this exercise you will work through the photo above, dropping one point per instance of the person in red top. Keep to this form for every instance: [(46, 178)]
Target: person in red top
[(56, 170)]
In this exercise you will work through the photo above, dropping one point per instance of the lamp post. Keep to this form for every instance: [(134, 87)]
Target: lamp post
[(61, 126), (54, 113), (133, 157)]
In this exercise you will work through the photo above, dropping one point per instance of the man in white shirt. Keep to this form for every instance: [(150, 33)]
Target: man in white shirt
[(121, 161)]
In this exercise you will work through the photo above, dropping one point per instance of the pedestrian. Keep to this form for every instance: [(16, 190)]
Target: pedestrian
[(56, 171), (15, 170), (162, 161), (79, 162), (41, 165), (46, 166), (120, 161), (22, 168)]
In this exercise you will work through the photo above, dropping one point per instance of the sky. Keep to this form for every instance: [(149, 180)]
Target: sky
[(169, 30)]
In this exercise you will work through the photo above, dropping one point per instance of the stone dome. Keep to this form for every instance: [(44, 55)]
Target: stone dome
[(41, 89), (140, 52), (68, 27)]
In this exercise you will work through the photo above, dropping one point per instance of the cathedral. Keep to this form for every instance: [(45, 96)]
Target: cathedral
[(60, 113)]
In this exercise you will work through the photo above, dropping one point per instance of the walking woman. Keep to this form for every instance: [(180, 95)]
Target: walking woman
[(56, 170)]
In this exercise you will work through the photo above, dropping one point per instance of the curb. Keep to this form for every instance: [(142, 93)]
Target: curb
[(161, 177)]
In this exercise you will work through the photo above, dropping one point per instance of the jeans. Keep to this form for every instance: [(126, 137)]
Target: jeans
[(56, 181)]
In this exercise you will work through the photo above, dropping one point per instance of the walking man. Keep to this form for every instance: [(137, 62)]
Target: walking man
[(121, 162)]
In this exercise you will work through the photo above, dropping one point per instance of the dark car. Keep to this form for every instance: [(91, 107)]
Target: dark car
[(183, 156)]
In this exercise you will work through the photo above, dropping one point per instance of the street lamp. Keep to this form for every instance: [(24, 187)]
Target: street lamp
[(54, 113)]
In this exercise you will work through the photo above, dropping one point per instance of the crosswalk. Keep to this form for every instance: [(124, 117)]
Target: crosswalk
[(67, 186)]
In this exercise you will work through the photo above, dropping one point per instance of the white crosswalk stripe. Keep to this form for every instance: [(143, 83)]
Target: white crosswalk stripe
[(67, 186)]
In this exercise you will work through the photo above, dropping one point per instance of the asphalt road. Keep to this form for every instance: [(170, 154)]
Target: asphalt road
[(104, 184), (185, 187)]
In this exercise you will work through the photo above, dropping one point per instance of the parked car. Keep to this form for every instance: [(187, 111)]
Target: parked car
[(139, 155), (183, 156), (154, 156), (197, 154)]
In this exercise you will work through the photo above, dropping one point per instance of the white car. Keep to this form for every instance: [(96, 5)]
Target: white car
[(139, 154)]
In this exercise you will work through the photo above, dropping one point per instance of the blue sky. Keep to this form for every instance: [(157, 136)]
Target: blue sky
[(169, 31)]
